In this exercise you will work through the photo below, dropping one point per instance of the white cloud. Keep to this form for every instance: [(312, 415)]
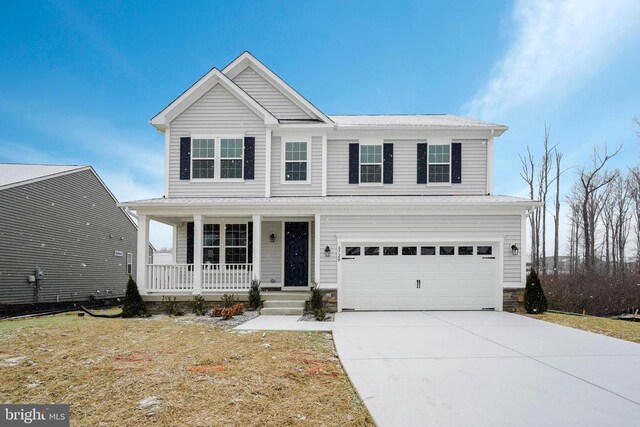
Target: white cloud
[(556, 45)]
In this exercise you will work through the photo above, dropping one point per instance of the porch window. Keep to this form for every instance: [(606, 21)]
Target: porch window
[(211, 244), (235, 251), (295, 161), (231, 160), (203, 155), (439, 164), (370, 164)]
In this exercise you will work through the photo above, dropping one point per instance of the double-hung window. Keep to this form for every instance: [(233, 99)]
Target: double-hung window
[(235, 242), (217, 158), (296, 161), (203, 155), (211, 244), (370, 164), (231, 157), (439, 164)]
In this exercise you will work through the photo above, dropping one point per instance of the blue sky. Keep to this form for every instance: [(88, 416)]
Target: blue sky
[(80, 80)]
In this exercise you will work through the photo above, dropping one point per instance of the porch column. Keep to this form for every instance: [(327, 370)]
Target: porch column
[(257, 250), (142, 253), (197, 254), (318, 251), (174, 249)]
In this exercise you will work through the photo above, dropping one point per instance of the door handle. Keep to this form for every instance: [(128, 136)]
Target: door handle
[(418, 284), (348, 258), (488, 257)]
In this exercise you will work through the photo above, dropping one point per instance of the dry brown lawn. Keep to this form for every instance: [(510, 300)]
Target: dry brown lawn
[(625, 330), (201, 375)]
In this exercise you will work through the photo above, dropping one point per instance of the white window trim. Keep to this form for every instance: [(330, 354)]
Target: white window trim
[(129, 263), (223, 242), (283, 155), (217, 157), (371, 184), (439, 184)]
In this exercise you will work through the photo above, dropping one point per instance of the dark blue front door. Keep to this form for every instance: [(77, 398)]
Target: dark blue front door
[(296, 253)]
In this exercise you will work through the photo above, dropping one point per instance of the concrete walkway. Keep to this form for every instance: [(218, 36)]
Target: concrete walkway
[(283, 323), (486, 369)]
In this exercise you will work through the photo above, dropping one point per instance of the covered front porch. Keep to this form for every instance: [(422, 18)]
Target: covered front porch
[(214, 254)]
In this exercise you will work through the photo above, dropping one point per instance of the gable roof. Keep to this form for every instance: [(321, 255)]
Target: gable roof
[(15, 174), (198, 89), (415, 121), (246, 59)]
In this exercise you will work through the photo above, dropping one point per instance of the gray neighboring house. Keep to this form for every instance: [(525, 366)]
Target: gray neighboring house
[(65, 222)]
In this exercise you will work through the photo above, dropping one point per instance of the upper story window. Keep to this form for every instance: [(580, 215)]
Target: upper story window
[(370, 164), (296, 161), (439, 163), (203, 156), (231, 157), (217, 157)]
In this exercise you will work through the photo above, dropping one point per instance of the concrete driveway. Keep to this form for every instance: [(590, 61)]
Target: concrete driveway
[(486, 369)]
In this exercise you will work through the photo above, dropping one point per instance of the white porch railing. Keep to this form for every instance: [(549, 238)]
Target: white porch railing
[(169, 277), (226, 277), (215, 277)]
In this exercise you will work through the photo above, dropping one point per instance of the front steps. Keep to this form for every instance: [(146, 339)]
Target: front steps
[(278, 303)]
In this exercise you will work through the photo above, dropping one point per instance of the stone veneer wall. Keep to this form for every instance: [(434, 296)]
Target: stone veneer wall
[(512, 299)]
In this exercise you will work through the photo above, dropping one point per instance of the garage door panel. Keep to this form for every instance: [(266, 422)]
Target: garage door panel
[(446, 282)]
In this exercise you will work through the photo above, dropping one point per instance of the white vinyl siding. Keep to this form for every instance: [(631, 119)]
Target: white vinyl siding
[(411, 227), (217, 112), (314, 169), (474, 170), (268, 96), (271, 267)]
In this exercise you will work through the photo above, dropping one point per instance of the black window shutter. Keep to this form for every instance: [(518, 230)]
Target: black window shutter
[(387, 162), (250, 243), (423, 155), (249, 157), (456, 163), (185, 157), (354, 163), (190, 243)]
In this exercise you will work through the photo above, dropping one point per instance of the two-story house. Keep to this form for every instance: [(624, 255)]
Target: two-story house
[(389, 212)]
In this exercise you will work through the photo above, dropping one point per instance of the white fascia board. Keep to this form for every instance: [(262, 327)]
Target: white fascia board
[(161, 120), (45, 177), (497, 131), (247, 59)]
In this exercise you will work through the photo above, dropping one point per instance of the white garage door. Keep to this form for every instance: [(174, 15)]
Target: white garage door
[(440, 276)]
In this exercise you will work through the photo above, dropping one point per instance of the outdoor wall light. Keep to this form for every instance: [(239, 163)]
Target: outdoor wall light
[(272, 237), (514, 250), (327, 251)]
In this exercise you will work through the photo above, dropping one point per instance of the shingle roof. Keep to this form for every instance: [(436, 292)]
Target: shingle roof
[(13, 173), (412, 120)]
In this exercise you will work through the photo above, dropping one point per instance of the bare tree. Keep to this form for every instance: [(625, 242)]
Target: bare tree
[(528, 174), (634, 176), (556, 217), (590, 180), (543, 190)]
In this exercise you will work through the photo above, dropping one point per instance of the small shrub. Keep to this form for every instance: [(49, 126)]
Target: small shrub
[(170, 306), (227, 313), (319, 314), (228, 300), (255, 300), (133, 305), (534, 300), (216, 312), (316, 301), (199, 305), (238, 309)]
